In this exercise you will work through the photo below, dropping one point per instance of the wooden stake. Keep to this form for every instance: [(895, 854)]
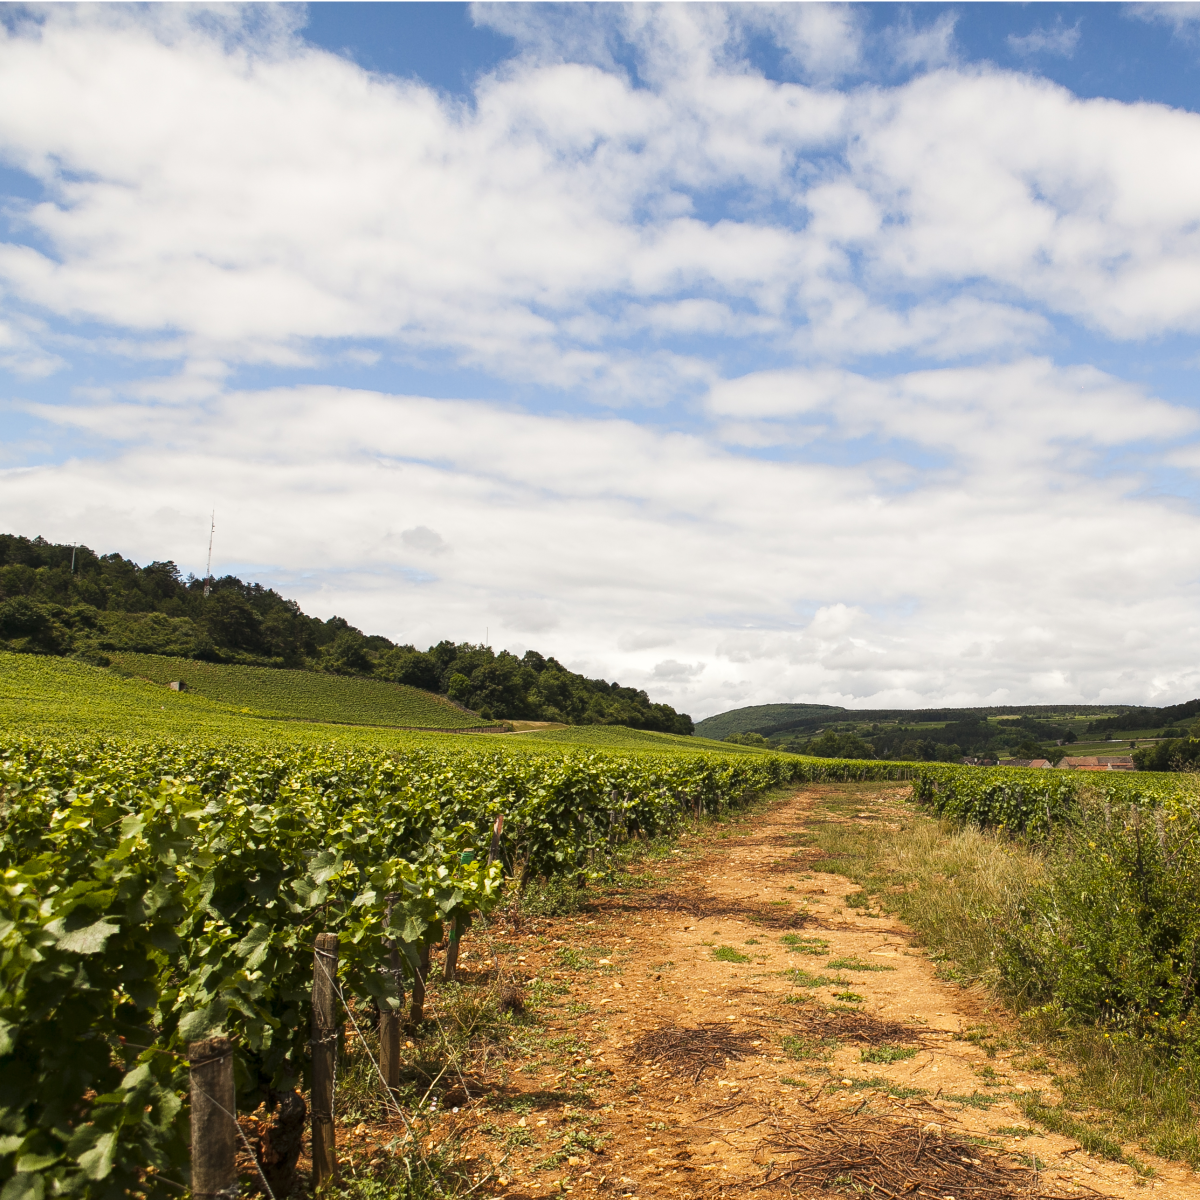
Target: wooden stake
[(417, 1012), (214, 1125), (324, 1056), (451, 963), (497, 830), (389, 1020)]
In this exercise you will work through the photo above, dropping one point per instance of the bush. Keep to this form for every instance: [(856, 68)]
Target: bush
[(1112, 934)]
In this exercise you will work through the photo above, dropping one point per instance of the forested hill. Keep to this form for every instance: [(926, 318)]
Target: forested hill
[(108, 603)]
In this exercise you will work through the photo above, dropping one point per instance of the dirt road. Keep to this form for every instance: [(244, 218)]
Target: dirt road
[(736, 1021), (686, 1020)]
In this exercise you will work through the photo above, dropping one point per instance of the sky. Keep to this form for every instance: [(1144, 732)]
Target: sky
[(744, 353)]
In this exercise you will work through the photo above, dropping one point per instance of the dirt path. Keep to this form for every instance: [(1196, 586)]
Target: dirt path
[(740, 1006)]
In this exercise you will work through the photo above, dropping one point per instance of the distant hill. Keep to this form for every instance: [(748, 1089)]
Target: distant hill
[(69, 601), (937, 733), (760, 717)]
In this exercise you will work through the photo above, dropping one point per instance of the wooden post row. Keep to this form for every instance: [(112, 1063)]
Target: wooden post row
[(214, 1121), (324, 1057)]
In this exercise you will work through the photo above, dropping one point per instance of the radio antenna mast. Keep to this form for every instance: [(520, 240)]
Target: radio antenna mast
[(208, 573)]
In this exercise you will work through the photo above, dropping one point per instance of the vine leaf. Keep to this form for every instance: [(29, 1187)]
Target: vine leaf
[(88, 940)]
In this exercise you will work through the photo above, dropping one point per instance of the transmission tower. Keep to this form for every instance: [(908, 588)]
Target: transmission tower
[(208, 572)]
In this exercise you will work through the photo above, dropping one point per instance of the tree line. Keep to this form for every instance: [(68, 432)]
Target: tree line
[(69, 600)]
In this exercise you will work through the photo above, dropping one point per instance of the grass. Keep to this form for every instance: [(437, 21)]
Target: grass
[(961, 888), (798, 944), (887, 1054), (802, 1047), (806, 979), (851, 963), (730, 955), (1094, 1139)]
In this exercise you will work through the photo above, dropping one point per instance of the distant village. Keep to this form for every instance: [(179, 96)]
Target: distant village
[(1086, 762)]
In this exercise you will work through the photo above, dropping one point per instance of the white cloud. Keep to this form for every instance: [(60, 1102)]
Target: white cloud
[(1061, 40), (824, 529), (1183, 16), (275, 196), (928, 46), (1008, 568)]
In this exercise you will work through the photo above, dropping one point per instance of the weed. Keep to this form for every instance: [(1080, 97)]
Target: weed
[(798, 944), (885, 1053), (803, 1047), (1017, 1131), (852, 963), (806, 979), (790, 1082), (849, 997), (1032, 1160), (987, 1039), (730, 955), (857, 900), (974, 1100), (752, 942), (556, 897)]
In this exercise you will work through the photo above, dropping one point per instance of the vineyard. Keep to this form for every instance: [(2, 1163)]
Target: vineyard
[(157, 893), (1037, 801), (169, 885), (302, 695)]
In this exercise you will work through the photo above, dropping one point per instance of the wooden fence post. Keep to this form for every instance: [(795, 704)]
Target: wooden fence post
[(324, 1056), (214, 1124), (389, 1019)]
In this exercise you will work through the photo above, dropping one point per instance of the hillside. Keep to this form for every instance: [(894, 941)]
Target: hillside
[(301, 695), (49, 697), (947, 734), (758, 717), (69, 601)]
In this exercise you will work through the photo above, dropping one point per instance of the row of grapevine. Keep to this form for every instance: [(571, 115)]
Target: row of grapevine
[(156, 894), (1035, 801)]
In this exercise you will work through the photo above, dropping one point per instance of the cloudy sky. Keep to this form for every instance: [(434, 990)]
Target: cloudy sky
[(797, 352)]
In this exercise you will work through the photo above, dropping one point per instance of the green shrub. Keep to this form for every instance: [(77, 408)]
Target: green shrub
[(1112, 935)]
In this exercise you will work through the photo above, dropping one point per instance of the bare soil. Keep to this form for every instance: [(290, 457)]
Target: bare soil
[(683, 1055)]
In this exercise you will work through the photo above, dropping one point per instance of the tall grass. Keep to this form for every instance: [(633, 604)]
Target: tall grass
[(959, 887)]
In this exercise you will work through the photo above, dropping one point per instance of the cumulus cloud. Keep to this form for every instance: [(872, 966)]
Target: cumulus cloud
[(769, 579), (875, 471), (275, 196)]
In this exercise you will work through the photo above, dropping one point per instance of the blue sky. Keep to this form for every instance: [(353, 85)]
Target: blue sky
[(748, 353)]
